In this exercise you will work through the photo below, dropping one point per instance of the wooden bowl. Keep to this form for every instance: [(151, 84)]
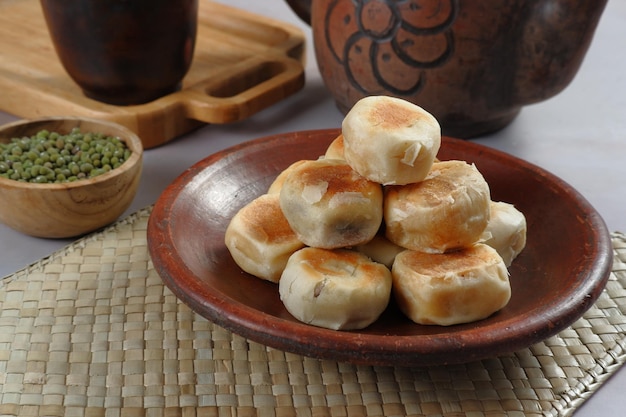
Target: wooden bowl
[(558, 276), (70, 209)]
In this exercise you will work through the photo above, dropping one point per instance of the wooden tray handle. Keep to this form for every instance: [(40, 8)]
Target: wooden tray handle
[(253, 86)]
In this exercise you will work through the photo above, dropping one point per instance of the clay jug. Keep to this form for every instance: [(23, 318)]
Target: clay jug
[(472, 64)]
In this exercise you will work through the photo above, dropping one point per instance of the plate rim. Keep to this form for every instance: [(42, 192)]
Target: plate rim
[(390, 349)]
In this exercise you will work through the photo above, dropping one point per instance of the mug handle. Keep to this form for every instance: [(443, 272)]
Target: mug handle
[(243, 90)]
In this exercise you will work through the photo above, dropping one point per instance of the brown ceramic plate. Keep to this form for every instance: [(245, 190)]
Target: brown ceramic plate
[(555, 280)]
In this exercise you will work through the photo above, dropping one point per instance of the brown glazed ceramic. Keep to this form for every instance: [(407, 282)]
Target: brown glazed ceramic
[(124, 52), (556, 278), (473, 64)]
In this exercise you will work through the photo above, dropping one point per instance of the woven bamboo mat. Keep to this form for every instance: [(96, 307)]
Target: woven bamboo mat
[(92, 331)]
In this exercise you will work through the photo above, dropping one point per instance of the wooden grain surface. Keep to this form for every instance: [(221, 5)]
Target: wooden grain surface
[(242, 64)]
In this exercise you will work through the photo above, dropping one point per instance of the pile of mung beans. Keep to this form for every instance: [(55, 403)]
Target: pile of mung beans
[(51, 157)]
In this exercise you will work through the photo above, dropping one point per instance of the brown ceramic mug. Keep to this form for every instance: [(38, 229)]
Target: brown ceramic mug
[(472, 64), (124, 51)]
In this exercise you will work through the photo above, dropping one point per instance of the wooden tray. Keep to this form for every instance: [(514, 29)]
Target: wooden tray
[(243, 63)]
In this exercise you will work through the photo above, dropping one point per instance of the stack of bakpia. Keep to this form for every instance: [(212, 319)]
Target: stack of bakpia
[(380, 217)]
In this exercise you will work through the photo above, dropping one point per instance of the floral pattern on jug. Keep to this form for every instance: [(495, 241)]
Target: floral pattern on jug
[(401, 52)]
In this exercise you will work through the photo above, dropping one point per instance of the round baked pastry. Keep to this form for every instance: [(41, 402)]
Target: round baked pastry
[(337, 289), (506, 231), (260, 239), (329, 205), (277, 184), (390, 140), (451, 288), (335, 149), (447, 211), (380, 249)]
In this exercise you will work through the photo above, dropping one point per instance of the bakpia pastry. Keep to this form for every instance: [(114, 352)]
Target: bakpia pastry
[(260, 239), (380, 249), (335, 149), (277, 184), (336, 289), (390, 140), (450, 288), (446, 211), (329, 205), (378, 215), (506, 231)]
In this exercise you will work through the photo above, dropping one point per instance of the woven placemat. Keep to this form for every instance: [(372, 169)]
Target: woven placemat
[(92, 331)]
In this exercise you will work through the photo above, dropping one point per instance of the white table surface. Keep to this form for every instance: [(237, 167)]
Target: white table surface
[(579, 135)]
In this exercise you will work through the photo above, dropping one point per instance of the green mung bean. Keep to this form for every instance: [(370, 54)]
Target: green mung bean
[(51, 157)]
